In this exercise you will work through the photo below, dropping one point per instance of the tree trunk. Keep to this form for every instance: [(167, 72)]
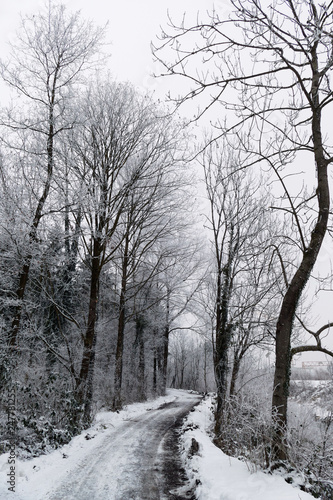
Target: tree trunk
[(141, 366), (165, 344), (234, 375), (90, 385), (118, 375), (181, 383), (155, 373), (160, 358), (165, 358), (297, 285), (84, 396), (223, 337), (155, 356), (283, 337), (71, 247), (24, 273)]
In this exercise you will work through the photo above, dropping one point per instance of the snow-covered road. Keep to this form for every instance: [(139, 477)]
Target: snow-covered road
[(125, 460), (128, 464)]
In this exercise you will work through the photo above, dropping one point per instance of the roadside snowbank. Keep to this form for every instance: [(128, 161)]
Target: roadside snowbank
[(220, 477)]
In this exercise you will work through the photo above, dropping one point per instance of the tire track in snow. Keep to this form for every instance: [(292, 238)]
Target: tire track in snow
[(132, 461)]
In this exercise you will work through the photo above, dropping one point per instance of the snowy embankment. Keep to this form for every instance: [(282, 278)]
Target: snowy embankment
[(36, 478), (220, 477)]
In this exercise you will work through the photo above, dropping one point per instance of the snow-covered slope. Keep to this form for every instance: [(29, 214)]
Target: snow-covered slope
[(220, 477)]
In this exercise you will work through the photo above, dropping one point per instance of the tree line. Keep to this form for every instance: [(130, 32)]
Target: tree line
[(95, 212)]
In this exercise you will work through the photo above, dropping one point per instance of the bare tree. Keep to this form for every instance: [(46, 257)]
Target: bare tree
[(52, 51), (151, 217), (256, 303), (271, 69), (114, 147), (241, 252)]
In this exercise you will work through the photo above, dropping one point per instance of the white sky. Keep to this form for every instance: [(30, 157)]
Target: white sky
[(132, 26)]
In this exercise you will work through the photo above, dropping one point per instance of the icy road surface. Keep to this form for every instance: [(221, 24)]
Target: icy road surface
[(129, 463), (134, 461)]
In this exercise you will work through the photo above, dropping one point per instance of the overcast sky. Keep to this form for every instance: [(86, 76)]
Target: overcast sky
[(132, 26)]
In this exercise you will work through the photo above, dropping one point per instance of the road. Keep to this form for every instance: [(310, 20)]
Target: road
[(137, 461)]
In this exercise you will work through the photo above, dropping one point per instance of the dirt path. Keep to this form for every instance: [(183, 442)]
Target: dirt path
[(137, 461)]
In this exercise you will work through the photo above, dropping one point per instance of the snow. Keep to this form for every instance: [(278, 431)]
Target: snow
[(39, 476), (223, 477)]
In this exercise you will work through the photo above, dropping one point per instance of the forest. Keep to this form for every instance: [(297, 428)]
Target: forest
[(139, 254)]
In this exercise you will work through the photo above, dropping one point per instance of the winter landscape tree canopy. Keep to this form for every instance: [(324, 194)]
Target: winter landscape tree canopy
[(144, 246)]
